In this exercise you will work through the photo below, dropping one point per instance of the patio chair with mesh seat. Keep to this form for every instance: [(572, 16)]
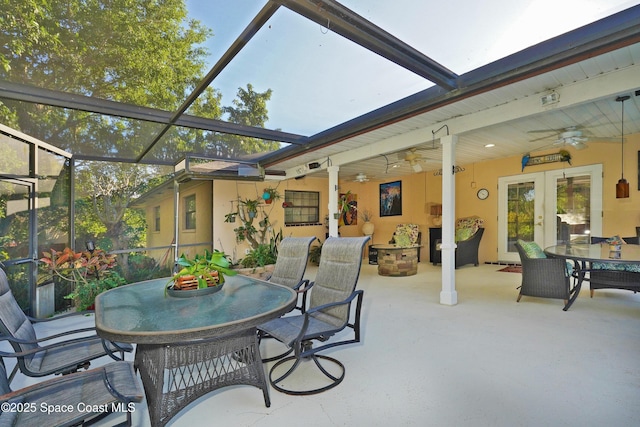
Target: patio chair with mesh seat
[(80, 398), (293, 256), (67, 352), (291, 264), (329, 312)]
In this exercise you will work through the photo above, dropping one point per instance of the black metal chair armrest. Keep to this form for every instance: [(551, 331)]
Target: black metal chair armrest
[(303, 286), (40, 349), (43, 339), (121, 381), (357, 293), (334, 304), (119, 347), (59, 335), (61, 316)]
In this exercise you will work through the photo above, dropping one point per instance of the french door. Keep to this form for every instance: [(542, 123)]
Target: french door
[(549, 208)]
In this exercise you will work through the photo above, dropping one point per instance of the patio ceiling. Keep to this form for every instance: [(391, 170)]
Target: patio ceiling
[(415, 98)]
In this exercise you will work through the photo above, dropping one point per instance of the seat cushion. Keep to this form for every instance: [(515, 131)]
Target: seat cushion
[(532, 249), (406, 234), (467, 227), (463, 234), (614, 266)]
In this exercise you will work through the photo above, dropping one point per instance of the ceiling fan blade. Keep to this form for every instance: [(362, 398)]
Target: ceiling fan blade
[(544, 131), (542, 138)]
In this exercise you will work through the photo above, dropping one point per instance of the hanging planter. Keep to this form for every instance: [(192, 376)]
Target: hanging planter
[(270, 194), (251, 207)]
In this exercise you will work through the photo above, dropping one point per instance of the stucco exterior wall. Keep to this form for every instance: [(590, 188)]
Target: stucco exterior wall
[(419, 192)]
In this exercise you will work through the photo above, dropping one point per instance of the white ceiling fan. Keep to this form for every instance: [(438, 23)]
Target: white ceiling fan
[(414, 158), (361, 177), (572, 136)]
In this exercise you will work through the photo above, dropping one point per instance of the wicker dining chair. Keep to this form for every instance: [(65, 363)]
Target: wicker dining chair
[(329, 312), (86, 397), (62, 356), (541, 276)]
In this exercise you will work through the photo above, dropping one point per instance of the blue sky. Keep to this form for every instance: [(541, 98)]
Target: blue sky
[(320, 80)]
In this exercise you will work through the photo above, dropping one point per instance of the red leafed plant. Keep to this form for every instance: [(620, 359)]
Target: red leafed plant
[(91, 272), (78, 266)]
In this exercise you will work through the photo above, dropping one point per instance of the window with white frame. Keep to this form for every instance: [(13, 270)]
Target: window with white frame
[(156, 218), (190, 212)]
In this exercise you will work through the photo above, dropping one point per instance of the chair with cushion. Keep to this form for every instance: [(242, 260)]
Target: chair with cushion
[(86, 397), (59, 357), (468, 233), (329, 312), (407, 235), (608, 275), (541, 276)]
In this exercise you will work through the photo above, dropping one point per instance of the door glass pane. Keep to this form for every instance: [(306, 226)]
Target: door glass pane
[(15, 224), (521, 213), (15, 221), (573, 209)]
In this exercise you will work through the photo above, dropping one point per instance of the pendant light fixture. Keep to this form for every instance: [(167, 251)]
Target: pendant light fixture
[(622, 187)]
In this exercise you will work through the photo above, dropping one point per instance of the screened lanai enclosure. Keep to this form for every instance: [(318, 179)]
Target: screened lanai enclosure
[(103, 101)]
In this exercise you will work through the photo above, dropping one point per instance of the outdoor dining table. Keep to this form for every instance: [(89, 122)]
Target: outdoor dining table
[(187, 347), (583, 255)]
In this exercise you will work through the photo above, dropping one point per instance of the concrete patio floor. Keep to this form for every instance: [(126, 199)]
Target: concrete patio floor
[(487, 361)]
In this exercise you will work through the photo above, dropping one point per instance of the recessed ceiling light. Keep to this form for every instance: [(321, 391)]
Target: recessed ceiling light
[(489, 145)]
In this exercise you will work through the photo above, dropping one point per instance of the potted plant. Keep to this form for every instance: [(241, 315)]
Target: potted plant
[(230, 217), (366, 216), (260, 261), (259, 257), (251, 206), (201, 271), (84, 296), (314, 254), (270, 194)]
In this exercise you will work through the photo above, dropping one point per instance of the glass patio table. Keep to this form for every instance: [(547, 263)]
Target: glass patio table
[(187, 347), (584, 254)]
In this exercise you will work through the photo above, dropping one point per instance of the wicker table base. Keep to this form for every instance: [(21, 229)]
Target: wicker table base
[(176, 374)]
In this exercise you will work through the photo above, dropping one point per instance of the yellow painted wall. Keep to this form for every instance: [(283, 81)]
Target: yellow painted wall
[(227, 191), (419, 192), (620, 216), (414, 195), (202, 233), (164, 237)]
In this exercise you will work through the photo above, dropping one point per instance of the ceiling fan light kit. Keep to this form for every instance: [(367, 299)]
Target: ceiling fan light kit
[(361, 177), (622, 187)]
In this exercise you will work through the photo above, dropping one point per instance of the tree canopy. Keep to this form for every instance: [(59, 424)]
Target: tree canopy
[(138, 52)]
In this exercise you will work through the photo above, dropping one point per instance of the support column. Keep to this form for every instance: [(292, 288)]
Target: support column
[(333, 200), (448, 295)]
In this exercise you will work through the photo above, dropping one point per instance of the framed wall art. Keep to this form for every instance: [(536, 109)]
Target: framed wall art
[(391, 198)]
